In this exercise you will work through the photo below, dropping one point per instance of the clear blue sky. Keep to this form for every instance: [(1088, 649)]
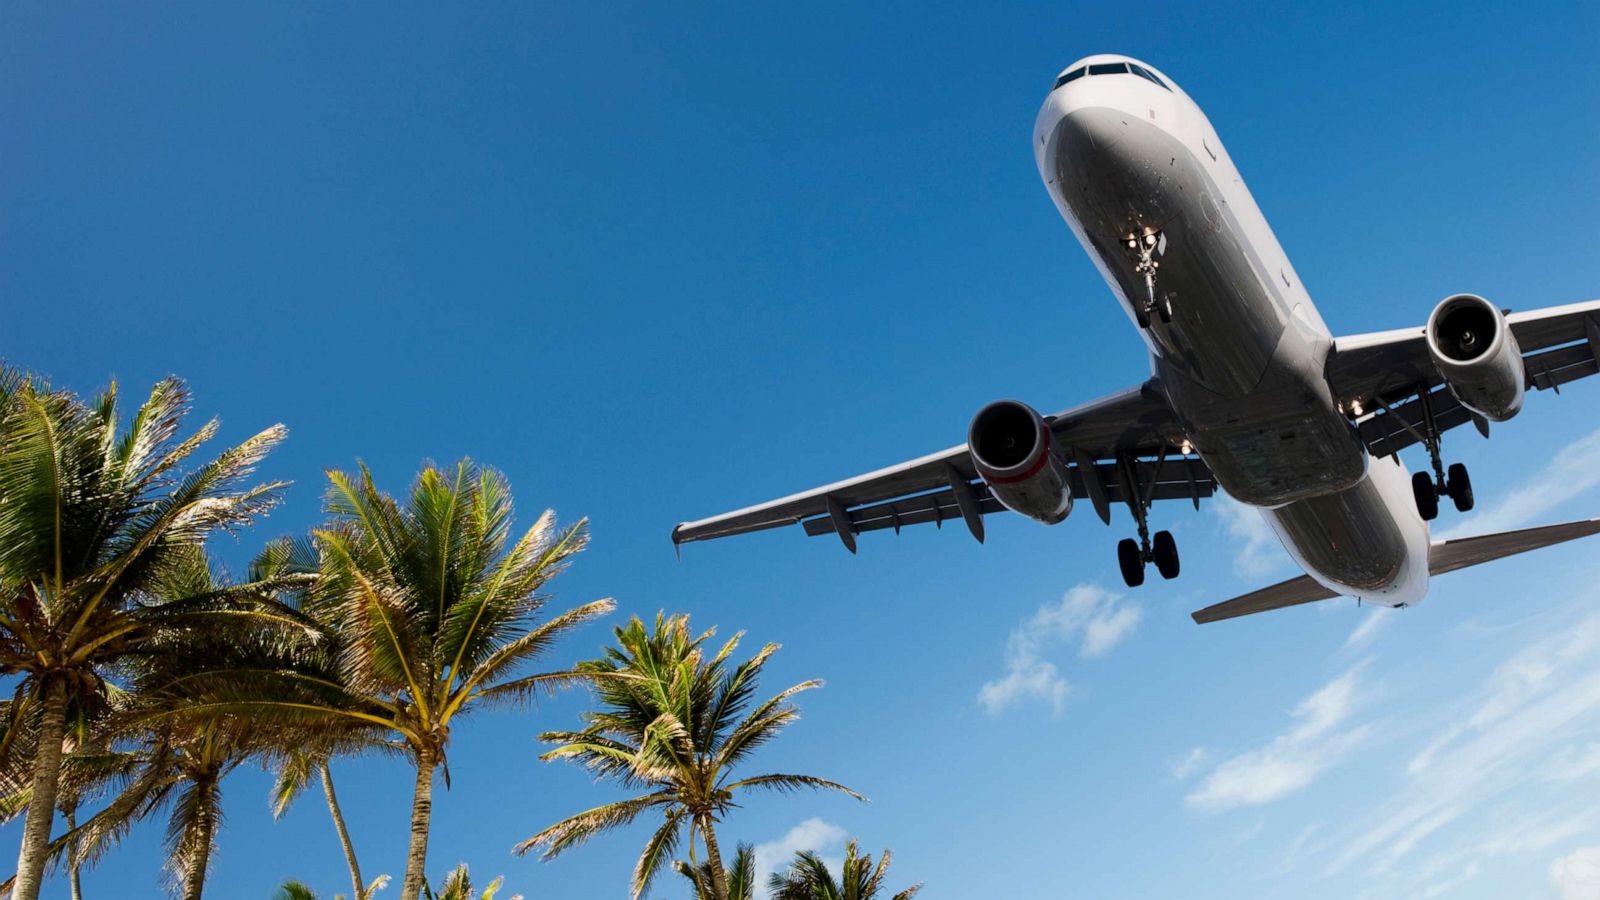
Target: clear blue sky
[(660, 261)]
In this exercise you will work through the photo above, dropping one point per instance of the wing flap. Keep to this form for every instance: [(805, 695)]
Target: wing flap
[(1178, 479)]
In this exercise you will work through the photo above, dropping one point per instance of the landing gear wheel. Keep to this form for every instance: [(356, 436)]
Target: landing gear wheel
[(1165, 550), (1427, 496), (1164, 310), (1460, 487), (1141, 315), (1131, 561)]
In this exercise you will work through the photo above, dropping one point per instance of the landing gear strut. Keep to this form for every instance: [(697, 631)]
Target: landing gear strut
[(1454, 483), (1145, 248), (1133, 556)]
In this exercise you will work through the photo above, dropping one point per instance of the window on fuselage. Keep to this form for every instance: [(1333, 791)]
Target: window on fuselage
[(1075, 73), (1109, 69)]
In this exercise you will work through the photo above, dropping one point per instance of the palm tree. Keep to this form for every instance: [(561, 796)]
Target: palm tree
[(458, 886), (672, 720), (808, 878), (91, 515), (425, 612), (295, 769), (299, 890), (165, 758), (741, 878)]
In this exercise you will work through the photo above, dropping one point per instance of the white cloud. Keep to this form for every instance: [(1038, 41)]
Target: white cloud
[(1189, 763), (1374, 620), (1091, 615), (1499, 744), (1573, 470), (822, 838), (1576, 876), (1571, 764), (1293, 759), (1257, 552)]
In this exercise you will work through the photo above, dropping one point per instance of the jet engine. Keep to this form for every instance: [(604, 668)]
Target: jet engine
[(1477, 355), (1011, 449)]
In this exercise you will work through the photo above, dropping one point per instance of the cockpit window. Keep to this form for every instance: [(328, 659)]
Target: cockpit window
[(1116, 68), (1075, 73), (1142, 72)]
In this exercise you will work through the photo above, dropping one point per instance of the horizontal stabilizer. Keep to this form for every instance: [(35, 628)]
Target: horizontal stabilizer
[(1443, 556)]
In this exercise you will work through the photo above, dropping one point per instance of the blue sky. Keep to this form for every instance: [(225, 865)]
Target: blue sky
[(659, 261)]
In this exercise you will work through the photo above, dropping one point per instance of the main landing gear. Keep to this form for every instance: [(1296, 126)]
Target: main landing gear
[(1454, 482), (1145, 248), (1132, 555)]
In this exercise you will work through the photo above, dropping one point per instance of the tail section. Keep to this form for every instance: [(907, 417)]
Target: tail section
[(1443, 556)]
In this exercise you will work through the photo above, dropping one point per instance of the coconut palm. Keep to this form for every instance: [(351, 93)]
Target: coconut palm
[(741, 877), (295, 770), (91, 515), (162, 757), (426, 611), (675, 721), (808, 878), (458, 886), (299, 890)]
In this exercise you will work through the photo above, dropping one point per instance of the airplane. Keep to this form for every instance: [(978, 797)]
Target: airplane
[(1249, 391)]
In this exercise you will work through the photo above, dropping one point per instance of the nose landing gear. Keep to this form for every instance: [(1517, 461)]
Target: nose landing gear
[(1145, 248)]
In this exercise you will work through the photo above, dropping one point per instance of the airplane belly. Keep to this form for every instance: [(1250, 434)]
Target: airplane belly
[(1366, 541)]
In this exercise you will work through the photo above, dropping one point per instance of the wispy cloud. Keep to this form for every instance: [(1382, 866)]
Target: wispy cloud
[(1092, 616), (822, 838), (1293, 759), (1373, 620), (1539, 700), (1189, 763), (1575, 469), (1576, 876), (1257, 551)]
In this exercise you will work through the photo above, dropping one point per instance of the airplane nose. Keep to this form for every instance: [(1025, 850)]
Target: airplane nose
[(1094, 130)]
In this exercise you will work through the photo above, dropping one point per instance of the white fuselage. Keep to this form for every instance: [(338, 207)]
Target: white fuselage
[(1242, 359)]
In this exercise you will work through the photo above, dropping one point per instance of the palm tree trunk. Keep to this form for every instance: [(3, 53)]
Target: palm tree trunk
[(204, 833), (421, 811), (42, 798), (719, 875), (73, 881), (344, 833)]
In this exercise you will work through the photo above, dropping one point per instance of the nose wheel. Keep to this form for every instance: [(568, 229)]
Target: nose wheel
[(1145, 248), (1453, 482)]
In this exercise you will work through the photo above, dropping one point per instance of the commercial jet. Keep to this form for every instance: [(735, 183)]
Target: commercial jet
[(1249, 391)]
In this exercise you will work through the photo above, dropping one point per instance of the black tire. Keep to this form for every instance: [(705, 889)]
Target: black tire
[(1131, 562), (1460, 484), (1164, 309), (1165, 550), (1427, 496), (1141, 314)]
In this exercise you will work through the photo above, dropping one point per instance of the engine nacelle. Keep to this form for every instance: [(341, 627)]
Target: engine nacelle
[(1011, 449), (1477, 355)]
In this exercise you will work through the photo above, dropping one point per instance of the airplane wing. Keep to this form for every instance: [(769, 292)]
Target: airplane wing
[(1128, 440), (1443, 556), (1385, 372)]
